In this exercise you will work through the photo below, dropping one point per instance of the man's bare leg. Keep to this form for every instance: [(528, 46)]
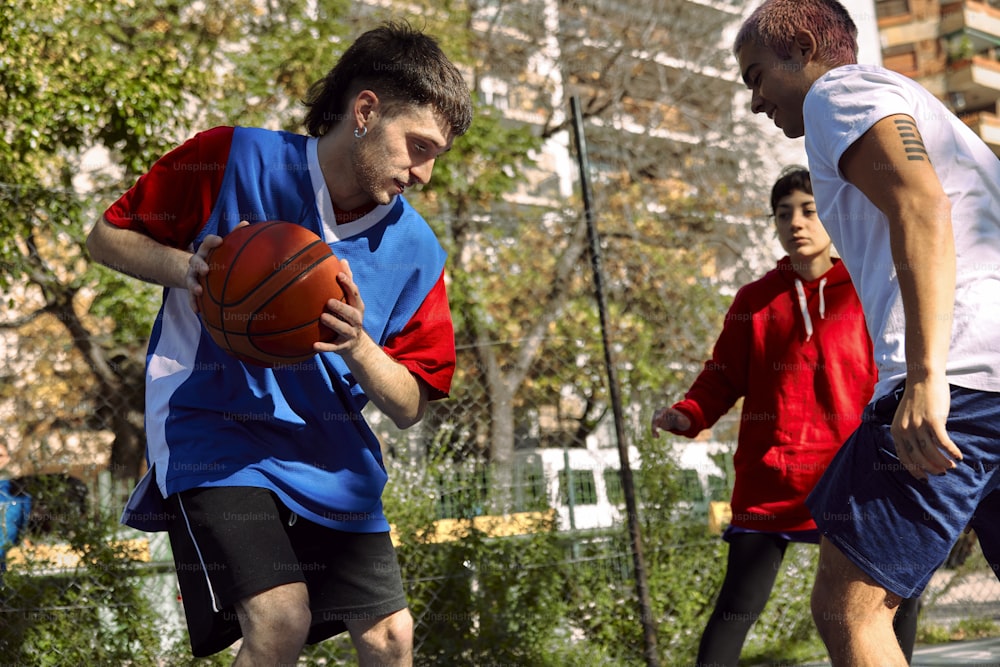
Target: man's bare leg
[(386, 641), (854, 614), (275, 626)]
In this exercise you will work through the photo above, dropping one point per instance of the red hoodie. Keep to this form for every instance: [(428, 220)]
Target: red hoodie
[(800, 355)]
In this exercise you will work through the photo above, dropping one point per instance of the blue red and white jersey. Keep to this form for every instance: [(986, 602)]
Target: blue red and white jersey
[(295, 429)]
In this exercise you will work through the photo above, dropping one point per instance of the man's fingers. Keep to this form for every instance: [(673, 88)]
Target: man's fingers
[(924, 453)]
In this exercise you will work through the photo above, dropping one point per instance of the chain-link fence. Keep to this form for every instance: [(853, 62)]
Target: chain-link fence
[(79, 590), (506, 500), (62, 597)]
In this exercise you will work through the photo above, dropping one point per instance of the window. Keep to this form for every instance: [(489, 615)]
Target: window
[(718, 488), (583, 485), (464, 494), (613, 483), (902, 59), (529, 494)]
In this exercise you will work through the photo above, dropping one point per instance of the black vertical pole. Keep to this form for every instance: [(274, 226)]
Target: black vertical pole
[(635, 536)]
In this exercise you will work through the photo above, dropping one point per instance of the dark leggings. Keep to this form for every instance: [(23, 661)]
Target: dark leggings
[(753, 563)]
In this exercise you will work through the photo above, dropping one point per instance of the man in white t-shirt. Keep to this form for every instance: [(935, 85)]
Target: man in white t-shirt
[(911, 198)]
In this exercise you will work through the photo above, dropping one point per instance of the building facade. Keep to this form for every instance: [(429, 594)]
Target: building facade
[(951, 48)]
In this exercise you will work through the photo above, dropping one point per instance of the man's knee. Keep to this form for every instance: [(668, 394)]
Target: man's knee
[(292, 618), (395, 632), (387, 640), (277, 617)]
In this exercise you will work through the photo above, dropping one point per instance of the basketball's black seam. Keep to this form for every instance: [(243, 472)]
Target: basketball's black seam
[(222, 304), (244, 331), (225, 281), (288, 284), (280, 267)]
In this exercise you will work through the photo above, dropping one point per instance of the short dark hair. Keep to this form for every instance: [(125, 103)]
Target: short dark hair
[(789, 180), (401, 65)]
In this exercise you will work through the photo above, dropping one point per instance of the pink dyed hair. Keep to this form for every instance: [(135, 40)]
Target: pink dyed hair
[(774, 23)]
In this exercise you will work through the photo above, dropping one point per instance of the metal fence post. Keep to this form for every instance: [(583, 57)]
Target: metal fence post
[(635, 537)]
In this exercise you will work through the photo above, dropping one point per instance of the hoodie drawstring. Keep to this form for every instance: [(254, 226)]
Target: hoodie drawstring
[(804, 308), (822, 300), (804, 305)]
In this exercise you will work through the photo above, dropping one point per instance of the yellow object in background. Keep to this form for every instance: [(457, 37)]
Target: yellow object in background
[(719, 515)]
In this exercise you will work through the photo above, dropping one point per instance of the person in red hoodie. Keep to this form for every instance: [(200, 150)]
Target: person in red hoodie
[(795, 347)]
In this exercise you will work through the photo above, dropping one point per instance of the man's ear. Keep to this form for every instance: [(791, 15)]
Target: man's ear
[(804, 45), (364, 104)]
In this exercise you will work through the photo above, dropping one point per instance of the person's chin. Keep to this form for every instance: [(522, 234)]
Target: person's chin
[(383, 198), (792, 132), (803, 255), (788, 132)]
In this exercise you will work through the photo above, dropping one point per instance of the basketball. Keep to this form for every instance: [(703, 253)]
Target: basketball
[(266, 287)]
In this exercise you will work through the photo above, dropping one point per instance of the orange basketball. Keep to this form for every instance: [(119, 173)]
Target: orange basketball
[(266, 287)]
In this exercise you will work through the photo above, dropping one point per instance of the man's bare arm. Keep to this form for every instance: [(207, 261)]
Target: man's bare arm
[(890, 165)]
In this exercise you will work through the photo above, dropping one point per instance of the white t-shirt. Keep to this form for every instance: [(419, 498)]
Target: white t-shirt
[(841, 106)]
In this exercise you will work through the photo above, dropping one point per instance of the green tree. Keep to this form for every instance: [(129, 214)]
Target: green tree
[(135, 80), (130, 80)]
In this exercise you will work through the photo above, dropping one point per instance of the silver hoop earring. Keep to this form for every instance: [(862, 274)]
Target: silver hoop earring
[(360, 132)]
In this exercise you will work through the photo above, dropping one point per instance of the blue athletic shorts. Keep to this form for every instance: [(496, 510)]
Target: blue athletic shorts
[(899, 529)]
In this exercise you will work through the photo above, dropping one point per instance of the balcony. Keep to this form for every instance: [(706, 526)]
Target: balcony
[(901, 30), (975, 81), (970, 27)]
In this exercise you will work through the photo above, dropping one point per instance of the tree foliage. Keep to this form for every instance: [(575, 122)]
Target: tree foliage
[(91, 613), (521, 282), (135, 80), (132, 79), (91, 93)]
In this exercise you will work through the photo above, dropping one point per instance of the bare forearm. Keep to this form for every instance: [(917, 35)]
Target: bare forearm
[(924, 255), (137, 255), (923, 252), (389, 385)]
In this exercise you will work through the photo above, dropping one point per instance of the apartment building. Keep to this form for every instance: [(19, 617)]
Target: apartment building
[(951, 48), (655, 81)]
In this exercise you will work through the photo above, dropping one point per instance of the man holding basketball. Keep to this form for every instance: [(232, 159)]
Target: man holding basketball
[(911, 198), (269, 480)]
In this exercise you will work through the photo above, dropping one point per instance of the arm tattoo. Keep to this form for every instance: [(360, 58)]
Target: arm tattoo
[(913, 144)]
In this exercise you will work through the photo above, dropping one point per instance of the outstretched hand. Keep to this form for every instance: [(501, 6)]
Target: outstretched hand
[(669, 419)]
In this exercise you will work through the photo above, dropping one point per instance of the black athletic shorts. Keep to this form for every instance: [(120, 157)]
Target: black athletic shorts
[(232, 542)]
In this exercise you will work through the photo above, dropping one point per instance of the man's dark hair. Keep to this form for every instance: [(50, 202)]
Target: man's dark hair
[(790, 180), (401, 65)]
